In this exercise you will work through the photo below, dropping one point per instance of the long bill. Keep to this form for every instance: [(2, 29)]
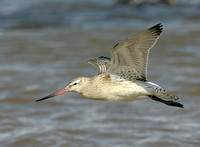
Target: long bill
[(53, 94)]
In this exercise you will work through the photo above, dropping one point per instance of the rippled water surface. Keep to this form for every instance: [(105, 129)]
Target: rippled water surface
[(44, 44)]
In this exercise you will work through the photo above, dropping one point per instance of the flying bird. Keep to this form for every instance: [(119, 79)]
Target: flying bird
[(123, 77)]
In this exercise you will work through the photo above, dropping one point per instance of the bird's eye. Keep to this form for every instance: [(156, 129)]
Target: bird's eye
[(75, 83)]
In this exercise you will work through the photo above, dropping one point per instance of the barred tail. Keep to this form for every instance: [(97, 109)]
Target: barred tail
[(166, 95), (161, 92)]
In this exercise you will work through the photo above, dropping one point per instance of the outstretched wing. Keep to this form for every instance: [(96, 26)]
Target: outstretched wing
[(129, 58), (100, 63)]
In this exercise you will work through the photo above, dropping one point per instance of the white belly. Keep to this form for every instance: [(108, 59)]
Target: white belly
[(124, 91), (134, 92)]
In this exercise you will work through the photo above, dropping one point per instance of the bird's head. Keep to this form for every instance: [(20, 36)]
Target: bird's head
[(76, 85)]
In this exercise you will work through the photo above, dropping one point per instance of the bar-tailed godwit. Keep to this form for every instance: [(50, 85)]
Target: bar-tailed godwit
[(124, 76)]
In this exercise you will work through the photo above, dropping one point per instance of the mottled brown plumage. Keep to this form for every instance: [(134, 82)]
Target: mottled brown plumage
[(124, 77)]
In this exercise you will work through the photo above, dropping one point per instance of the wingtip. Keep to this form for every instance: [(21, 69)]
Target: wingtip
[(159, 25), (157, 28), (93, 60), (104, 57)]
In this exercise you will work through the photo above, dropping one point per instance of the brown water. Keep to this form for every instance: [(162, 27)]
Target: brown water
[(36, 61)]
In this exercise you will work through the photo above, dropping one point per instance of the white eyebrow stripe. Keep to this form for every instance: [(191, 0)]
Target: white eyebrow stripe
[(77, 81)]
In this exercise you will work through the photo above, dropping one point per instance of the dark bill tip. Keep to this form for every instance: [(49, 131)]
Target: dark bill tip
[(53, 94), (44, 98)]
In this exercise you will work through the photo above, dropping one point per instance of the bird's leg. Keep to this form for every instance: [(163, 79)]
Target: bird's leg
[(169, 103)]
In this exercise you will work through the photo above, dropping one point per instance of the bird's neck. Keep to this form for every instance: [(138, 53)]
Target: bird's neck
[(93, 86)]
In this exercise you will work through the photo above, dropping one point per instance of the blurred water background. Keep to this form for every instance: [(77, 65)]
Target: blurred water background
[(46, 43)]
